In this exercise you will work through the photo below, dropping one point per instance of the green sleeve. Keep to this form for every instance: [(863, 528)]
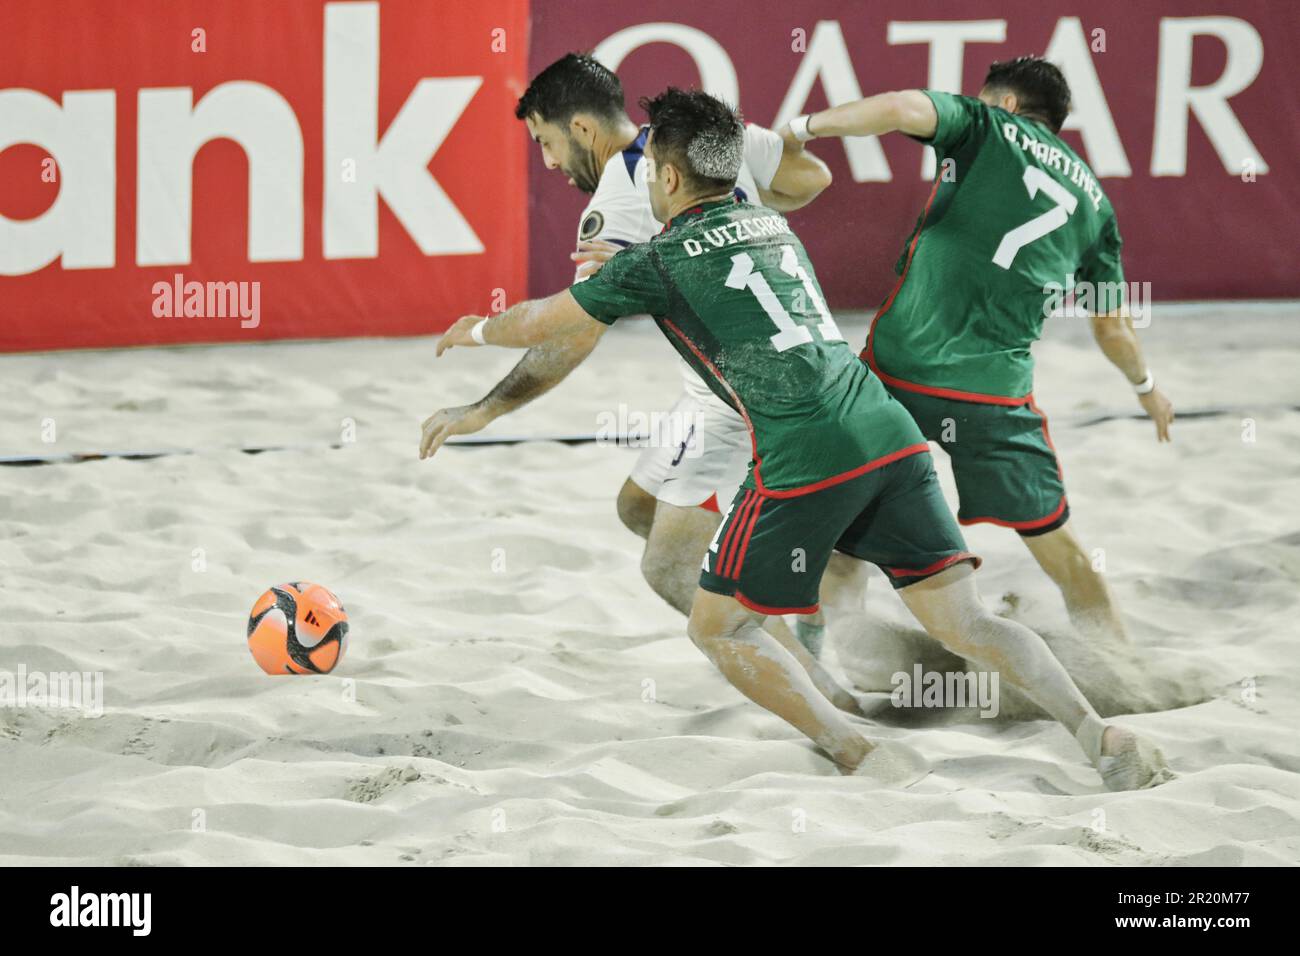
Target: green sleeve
[(628, 284), (958, 115), (1101, 265)]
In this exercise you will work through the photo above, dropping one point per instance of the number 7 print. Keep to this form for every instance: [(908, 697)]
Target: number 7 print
[(1039, 226)]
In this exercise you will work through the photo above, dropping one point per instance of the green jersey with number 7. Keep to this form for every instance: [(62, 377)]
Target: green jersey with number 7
[(732, 288), (1015, 215)]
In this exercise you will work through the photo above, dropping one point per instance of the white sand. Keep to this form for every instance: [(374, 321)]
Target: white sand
[(553, 711)]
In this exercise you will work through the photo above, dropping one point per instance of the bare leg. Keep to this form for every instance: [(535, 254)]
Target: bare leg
[(843, 587), (671, 566), (756, 664), (949, 608), (636, 508), (1087, 596), (821, 677), (673, 551)]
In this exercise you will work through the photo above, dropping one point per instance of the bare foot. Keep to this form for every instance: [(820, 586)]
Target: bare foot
[(892, 764), (1130, 762)]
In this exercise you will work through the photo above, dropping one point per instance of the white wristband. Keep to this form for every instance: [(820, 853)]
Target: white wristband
[(1146, 386), (476, 333), (799, 126)]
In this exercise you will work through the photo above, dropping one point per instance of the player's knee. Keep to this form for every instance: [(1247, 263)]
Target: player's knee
[(702, 629), (962, 627), (1061, 554), (636, 508), (950, 634), (1070, 563), (695, 629), (711, 622), (1080, 565)]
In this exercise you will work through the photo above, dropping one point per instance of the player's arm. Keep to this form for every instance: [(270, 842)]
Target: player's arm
[(523, 325), (1119, 342), (788, 176), (560, 334), (1102, 268), (903, 111), (629, 284), (541, 369), (547, 364)]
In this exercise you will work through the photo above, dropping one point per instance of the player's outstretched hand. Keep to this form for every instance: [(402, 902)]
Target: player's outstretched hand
[(1160, 410), (442, 424), (592, 254), (459, 334)]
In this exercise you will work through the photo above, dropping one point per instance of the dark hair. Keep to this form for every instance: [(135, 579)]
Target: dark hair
[(575, 83), (1039, 86), (699, 134)]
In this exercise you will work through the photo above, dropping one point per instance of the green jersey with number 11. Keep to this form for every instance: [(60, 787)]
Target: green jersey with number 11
[(1014, 214), (732, 288)]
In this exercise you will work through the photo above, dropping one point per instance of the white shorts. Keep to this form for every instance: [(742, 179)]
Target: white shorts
[(698, 455)]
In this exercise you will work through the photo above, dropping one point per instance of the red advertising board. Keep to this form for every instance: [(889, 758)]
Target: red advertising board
[(1189, 110), (180, 170), (292, 169)]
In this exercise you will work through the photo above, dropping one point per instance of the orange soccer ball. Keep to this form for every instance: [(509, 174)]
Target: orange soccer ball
[(298, 628)]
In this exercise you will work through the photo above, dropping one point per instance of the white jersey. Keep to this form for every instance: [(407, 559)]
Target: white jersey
[(619, 212)]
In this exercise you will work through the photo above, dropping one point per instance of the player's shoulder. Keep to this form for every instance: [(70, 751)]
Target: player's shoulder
[(971, 108), (960, 121), (620, 206), (973, 103), (624, 172)]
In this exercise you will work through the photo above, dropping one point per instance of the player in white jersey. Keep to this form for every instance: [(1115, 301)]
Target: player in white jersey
[(575, 111), (700, 451)]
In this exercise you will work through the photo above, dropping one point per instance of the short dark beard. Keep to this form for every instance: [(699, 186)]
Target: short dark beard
[(584, 174)]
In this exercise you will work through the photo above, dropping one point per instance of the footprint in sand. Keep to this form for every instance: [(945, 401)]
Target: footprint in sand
[(141, 405), (370, 789), (138, 744), (720, 828), (260, 537)]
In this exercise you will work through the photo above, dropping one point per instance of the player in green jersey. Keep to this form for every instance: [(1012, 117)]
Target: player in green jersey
[(574, 110), (838, 464), (1014, 215)]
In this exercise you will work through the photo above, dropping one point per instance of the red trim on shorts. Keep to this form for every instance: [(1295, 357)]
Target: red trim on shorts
[(1037, 522), (1020, 525), (938, 565), (869, 353), (711, 504), (764, 609), (737, 532), (844, 476), (725, 547), (744, 542)]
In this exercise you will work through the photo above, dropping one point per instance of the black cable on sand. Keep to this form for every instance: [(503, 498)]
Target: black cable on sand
[(484, 441)]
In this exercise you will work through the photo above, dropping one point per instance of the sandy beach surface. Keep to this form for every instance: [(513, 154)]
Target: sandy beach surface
[(513, 693)]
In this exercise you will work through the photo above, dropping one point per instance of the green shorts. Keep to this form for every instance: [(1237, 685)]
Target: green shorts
[(770, 552), (1003, 461)]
